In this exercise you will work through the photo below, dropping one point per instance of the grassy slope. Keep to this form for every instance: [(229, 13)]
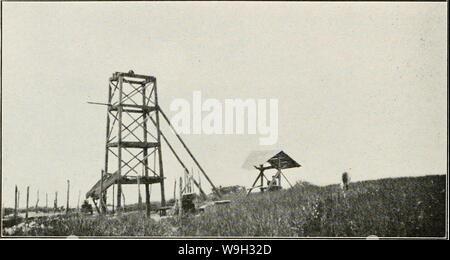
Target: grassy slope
[(386, 207)]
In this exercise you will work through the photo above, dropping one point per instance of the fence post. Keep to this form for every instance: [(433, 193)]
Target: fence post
[(37, 203), (78, 203), (180, 204), (113, 198), (139, 193), (174, 191), (3, 209), (55, 203), (123, 196), (68, 191), (26, 209), (16, 202), (46, 202)]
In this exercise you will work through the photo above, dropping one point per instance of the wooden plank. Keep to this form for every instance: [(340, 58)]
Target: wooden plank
[(125, 180), (141, 108), (135, 111), (118, 75), (220, 202), (106, 164), (134, 81), (262, 181), (264, 168), (119, 145), (160, 162), (145, 154), (140, 145), (96, 207), (113, 107), (142, 180)]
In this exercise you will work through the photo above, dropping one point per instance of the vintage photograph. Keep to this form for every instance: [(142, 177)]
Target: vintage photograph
[(224, 120)]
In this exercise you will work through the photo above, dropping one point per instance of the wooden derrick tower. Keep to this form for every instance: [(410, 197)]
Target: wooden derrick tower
[(133, 153)]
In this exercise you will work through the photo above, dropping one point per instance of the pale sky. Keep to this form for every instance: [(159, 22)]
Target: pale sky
[(362, 87)]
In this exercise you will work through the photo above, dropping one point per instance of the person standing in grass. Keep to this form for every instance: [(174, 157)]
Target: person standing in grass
[(345, 181)]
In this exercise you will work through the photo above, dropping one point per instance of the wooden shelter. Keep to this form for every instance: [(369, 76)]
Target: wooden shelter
[(268, 160)]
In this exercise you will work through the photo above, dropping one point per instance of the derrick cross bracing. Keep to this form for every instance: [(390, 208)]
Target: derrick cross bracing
[(133, 139)]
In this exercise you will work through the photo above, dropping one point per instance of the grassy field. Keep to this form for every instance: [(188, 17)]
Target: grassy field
[(387, 207), (399, 207)]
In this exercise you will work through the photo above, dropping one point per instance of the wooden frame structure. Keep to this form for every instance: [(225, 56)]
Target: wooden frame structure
[(267, 160), (133, 138)]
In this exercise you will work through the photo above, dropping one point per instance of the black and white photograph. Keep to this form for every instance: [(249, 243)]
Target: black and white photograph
[(224, 120)]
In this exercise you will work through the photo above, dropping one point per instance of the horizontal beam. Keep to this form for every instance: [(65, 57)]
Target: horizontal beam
[(140, 107), (264, 168), (135, 81), (135, 111), (116, 76), (142, 180), (134, 144)]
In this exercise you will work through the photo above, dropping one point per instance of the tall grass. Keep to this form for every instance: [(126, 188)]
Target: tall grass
[(134, 224), (388, 207), (400, 207)]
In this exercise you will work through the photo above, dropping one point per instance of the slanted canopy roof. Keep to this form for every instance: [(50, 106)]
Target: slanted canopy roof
[(275, 158)]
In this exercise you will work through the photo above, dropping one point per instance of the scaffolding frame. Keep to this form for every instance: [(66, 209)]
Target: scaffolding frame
[(132, 103)]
